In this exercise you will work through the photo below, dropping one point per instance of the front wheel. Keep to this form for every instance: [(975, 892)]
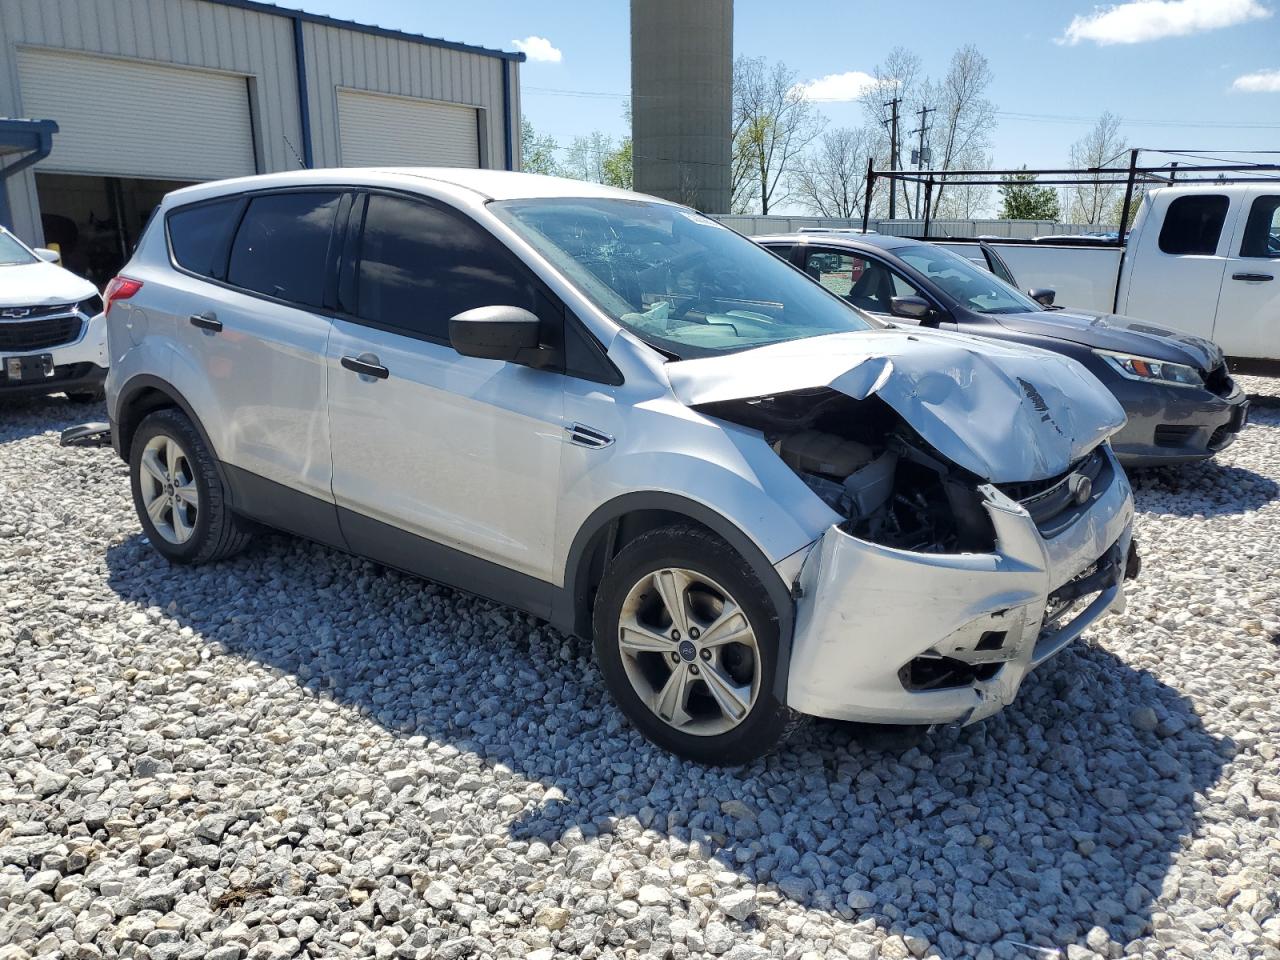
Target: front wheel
[(687, 640)]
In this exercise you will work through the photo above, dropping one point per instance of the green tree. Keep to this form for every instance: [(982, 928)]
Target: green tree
[(618, 168), (1022, 199), (537, 151)]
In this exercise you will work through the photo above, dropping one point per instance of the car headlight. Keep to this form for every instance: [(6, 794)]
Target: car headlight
[(90, 306), (1152, 371)]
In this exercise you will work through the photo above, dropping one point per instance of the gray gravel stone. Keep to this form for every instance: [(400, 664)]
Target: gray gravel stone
[(298, 754)]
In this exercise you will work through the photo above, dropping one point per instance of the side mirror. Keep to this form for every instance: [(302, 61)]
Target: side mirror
[(1042, 295), (911, 308), (47, 255), (498, 333)]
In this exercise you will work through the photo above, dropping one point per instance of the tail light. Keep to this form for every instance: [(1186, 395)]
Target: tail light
[(120, 288)]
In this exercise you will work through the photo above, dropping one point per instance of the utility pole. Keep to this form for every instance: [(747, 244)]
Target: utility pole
[(922, 130), (893, 155)]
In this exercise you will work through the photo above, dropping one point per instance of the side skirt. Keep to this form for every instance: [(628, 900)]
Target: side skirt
[(283, 508)]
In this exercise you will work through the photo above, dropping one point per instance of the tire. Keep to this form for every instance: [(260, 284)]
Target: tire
[(717, 696), (86, 396), (189, 520)]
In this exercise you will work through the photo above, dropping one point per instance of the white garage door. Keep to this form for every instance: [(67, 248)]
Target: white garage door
[(378, 130), (134, 119)]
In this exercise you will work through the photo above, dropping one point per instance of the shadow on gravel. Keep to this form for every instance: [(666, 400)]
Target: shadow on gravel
[(1061, 814), (1206, 489), (22, 417)]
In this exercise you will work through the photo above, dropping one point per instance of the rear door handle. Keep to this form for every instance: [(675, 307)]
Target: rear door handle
[(367, 365), (206, 321), (1252, 276)]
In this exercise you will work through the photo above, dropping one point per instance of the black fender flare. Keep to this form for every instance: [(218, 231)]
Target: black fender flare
[(573, 613)]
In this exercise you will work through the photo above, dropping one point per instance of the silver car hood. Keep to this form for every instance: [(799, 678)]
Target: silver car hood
[(1005, 413)]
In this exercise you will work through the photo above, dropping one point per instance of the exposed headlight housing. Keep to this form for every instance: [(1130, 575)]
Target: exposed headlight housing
[(1147, 370)]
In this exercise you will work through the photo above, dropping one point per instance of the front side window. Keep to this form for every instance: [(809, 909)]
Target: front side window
[(676, 279), (420, 265), (198, 236), (281, 248), (866, 283), (1262, 231), (1193, 224), (12, 252), (965, 282)]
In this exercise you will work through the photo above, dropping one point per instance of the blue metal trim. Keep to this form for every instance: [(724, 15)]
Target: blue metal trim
[(506, 116), (33, 135), (273, 10), (304, 101)]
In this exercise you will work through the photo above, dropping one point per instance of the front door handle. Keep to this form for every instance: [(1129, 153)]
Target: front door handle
[(367, 365), (1252, 276), (206, 321)]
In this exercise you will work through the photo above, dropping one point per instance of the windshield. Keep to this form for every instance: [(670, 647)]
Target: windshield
[(676, 279), (12, 252), (973, 287)]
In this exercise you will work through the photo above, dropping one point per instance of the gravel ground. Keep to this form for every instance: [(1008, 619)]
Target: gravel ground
[(297, 754)]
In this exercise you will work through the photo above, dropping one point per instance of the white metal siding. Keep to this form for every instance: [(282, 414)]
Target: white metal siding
[(131, 118), (374, 129)]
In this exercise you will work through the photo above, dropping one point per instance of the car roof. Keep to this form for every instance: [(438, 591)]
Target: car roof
[(853, 241), (462, 183)]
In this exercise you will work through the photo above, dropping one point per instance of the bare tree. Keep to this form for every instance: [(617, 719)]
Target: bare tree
[(1103, 146), (900, 76), (831, 178), (773, 122), (587, 158), (965, 116)]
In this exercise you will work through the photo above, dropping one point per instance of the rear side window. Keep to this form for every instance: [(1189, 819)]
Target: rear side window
[(198, 236), (1262, 231), (282, 246), (1193, 224), (420, 265)]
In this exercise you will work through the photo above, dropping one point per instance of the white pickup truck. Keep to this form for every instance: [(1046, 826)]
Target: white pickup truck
[(1204, 259)]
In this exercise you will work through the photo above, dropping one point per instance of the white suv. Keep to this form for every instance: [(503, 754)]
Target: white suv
[(52, 336), (620, 416)]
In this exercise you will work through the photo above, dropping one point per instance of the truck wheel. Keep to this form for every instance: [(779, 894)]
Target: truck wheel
[(687, 640), (178, 493)]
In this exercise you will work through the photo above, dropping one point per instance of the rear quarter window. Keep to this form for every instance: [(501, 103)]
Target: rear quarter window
[(1193, 224), (199, 234)]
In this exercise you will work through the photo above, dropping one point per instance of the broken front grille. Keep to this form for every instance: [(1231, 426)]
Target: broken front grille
[(23, 335), (1053, 502)]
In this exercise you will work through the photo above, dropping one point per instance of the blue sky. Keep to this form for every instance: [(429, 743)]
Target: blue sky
[(1167, 67)]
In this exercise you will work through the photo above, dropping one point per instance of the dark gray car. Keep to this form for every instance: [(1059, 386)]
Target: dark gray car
[(1181, 402)]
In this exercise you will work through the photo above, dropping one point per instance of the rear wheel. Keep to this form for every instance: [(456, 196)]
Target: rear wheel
[(687, 639), (178, 492)]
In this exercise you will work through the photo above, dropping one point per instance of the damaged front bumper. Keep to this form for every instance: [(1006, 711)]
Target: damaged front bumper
[(892, 636)]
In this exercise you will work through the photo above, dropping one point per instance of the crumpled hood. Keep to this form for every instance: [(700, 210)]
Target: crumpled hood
[(1111, 331), (40, 284), (1005, 413)]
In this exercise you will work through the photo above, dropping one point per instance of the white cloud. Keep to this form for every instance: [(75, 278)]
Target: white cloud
[(1140, 20), (538, 49), (838, 86), (1264, 81)]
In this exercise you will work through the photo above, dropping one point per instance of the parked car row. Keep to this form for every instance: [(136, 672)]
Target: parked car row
[(760, 496)]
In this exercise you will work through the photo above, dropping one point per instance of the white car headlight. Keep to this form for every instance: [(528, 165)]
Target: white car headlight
[(1152, 371)]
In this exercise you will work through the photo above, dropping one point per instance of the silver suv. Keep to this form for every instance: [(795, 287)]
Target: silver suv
[(616, 414)]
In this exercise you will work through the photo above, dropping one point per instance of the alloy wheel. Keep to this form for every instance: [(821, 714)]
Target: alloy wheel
[(689, 651), (169, 491)]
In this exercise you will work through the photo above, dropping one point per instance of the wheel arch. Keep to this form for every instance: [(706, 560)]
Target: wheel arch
[(615, 523), (144, 394)]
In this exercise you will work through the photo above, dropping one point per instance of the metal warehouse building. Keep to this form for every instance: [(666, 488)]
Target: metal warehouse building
[(151, 95)]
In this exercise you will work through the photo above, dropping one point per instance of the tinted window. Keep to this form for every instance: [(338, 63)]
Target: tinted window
[(420, 265), (1262, 232), (282, 245), (199, 235), (1193, 224)]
